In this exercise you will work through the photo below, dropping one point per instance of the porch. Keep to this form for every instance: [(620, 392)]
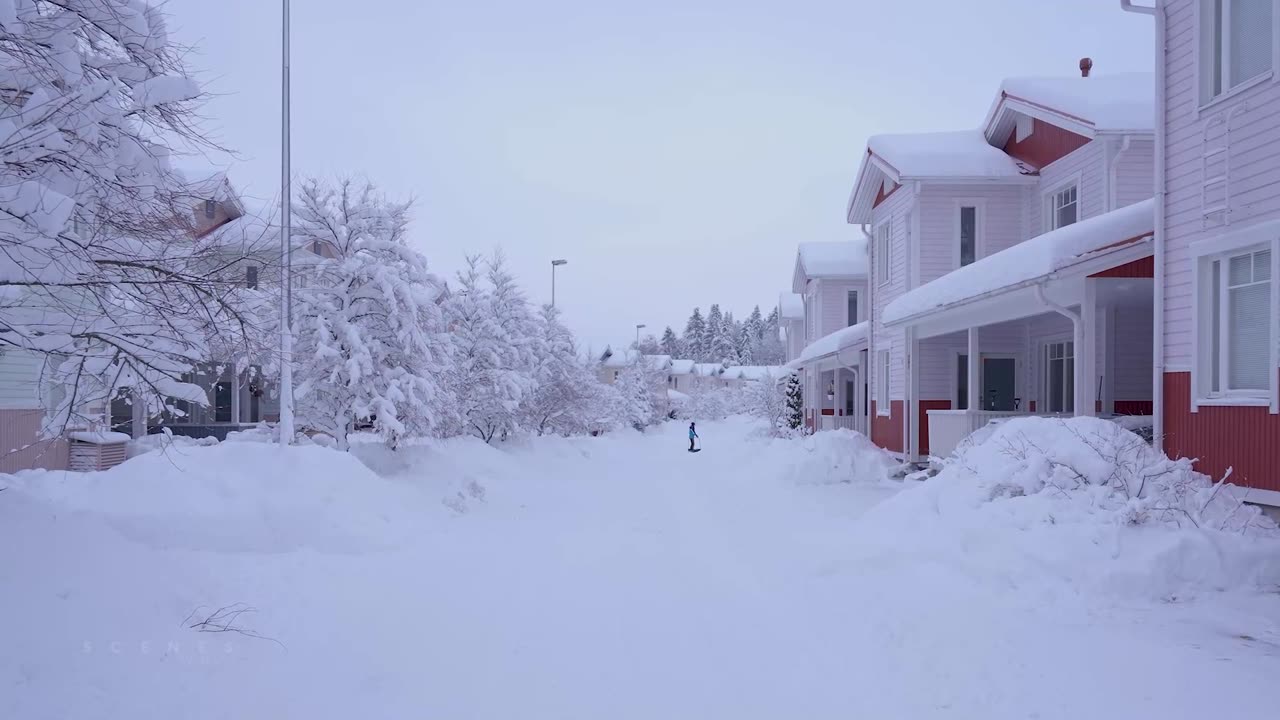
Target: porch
[(833, 370)]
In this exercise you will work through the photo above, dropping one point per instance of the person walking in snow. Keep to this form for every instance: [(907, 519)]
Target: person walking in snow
[(693, 433)]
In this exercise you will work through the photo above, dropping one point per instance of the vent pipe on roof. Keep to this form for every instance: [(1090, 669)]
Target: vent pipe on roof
[(1086, 64)]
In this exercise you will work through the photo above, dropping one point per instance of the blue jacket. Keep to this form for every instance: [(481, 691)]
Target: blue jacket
[(692, 434)]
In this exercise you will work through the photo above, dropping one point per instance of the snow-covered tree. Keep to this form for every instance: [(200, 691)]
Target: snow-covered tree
[(795, 401), (769, 350), (649, 345), (695, 336), (769, 400), (102, 279), (720, 345), (495, 342), (567, 397), (642, 394), (671, 344), (370, 338)]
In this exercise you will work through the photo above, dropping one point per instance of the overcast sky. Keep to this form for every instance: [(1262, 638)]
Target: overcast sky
[(673, 151)]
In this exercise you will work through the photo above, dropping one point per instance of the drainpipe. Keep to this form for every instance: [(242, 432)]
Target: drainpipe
[(1077, 332), (1112, 174), (871, 318), (1157, 351)]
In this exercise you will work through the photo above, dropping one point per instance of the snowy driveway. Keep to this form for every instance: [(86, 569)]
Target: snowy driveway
[(612, 578)]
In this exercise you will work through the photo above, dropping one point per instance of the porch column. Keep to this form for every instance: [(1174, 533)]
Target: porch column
[(1086, 353), (975, 366), (235, 395), (1107, 330), (139, 418)]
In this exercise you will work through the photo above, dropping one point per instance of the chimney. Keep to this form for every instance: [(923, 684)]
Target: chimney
[(1086, 64)]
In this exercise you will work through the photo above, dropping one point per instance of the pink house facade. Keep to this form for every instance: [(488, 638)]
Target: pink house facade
[(1217, 237), (1025, 245)]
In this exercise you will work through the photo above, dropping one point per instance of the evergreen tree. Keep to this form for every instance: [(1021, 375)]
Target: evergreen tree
[(565, 398), (755, 325), (795, 402), (649, 346), (670, 344), (695, 336)]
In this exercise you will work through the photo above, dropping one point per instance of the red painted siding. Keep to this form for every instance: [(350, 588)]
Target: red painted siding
[(1246, 439), (881, 195), (887, 431), (1045, 144), (925, 407), (1141, 268), (1134, 407)]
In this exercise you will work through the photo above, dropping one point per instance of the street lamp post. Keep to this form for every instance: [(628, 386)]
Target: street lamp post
[(555, 264), (639, 327), (286, 249)]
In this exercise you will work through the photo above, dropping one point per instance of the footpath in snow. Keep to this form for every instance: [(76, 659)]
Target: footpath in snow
[(621, 577)]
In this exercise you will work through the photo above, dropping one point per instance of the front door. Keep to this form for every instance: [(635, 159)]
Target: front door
[(998, 384)]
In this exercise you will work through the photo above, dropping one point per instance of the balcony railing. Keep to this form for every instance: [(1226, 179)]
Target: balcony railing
[(947, 428)]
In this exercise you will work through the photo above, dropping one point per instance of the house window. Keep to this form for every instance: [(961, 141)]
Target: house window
[(851, 308), (315, 247), (1240, 324), (968, 235), (251, 277), (1063, 207), (882, 384), (210, 208), (1235, 43), (962, 382), (848, 397), (1060, 377), (882, 253), (222, 402)]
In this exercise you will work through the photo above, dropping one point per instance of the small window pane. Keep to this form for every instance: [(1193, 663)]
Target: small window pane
[(1249, 352), (1250, 39), (1240, 270), (968, 235), (1262, 265), (1216, 324), (852, 308)]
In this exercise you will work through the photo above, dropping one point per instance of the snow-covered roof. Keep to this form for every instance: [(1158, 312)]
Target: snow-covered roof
[(708, 369), (791, 306), (1027, 261), (657, 362), (207, 183), (99, 437), (959, 154), (682, 367), (831, 344), (754, 372), (621, 359), (1099, 103), (840, 258)]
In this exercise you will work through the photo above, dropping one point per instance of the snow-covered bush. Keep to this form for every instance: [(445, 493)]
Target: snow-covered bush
[(1096, 466), (768, 399), (711, 404), (642, 398), (371, 340), (566, 397)]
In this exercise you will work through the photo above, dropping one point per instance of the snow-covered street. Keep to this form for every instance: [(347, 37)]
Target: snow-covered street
[(616, 577)]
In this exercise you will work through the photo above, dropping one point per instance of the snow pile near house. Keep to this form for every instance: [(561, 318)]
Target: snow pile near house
[(1088, 503), (836, 456), (164, 440)]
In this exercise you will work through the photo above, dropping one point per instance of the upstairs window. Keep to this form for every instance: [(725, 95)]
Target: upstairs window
[(851, 310), (210, 209), (251, 277), (968, 234), (882, 384), (1235, 44), (882, 253), (1063, 207)]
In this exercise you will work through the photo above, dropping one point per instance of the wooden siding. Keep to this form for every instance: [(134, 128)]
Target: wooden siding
[(833, 295), (1240, 438), (1255, 170), (1087, 164), (1135, 174), (925, 407), (897, 209), (1140, 268), (1002, 223), (19, 380), (21, 447), (936, 364), (1044, 145), (886, 431)]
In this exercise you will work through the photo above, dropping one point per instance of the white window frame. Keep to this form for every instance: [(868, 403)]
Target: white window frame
[(1203, 253), (1045, 391), (1050, 202), (1205, 57), (883, 365), (857, 301), (979, 230), (884, 252)]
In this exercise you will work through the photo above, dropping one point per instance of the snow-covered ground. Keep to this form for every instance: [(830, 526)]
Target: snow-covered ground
[(614, 577)]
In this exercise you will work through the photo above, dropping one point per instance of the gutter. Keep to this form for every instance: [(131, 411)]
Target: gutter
[(1157, 350)]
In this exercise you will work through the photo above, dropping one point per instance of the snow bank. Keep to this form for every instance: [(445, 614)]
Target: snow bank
[(1085, 502), (836, 456)]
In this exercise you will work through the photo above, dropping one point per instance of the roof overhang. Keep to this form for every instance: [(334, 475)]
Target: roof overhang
[(1063, 286)]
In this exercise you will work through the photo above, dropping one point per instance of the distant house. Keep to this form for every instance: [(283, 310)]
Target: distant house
[(830, 279), (738, 376), (707, 376), (682, 377)]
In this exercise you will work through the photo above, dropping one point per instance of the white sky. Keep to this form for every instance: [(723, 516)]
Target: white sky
[(674, 151)]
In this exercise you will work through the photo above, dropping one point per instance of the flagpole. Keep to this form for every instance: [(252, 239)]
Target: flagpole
[(286, 247)]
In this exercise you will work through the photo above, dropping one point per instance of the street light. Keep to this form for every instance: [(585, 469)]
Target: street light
[(286, 244), (638, 329), (555, 264)]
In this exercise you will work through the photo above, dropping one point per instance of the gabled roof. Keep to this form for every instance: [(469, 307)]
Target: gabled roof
[(791, 306), (963, 155), (839, 259), (682, 367), (1027, 262), (1123, 102), (708, 369), (755, 372)]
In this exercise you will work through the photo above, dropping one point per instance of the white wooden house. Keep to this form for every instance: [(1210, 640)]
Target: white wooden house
[(791, 322), (1025, 243), (1217, 237), (831, 280)]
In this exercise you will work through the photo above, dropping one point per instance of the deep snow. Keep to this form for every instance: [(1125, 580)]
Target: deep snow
[(616, 577)]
